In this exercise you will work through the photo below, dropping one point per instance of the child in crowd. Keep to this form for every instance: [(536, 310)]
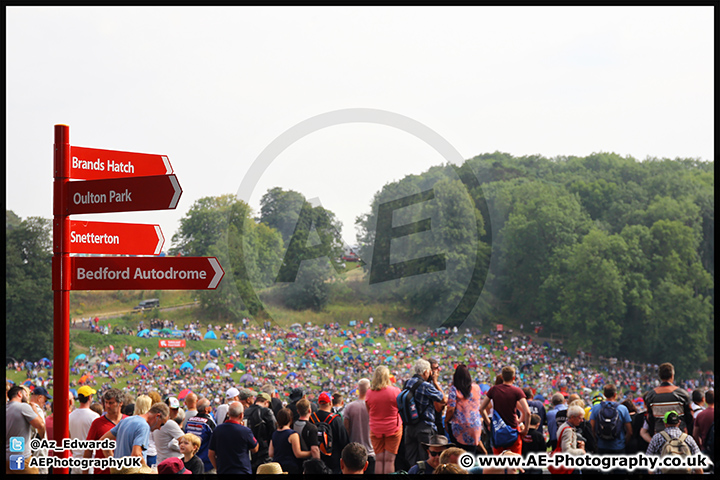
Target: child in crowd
[(189, 445), (534, 441)]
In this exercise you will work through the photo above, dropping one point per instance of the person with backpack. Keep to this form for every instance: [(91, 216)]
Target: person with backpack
[(435, 446), (332, 435), (673, 441), (261, 421), (568, 441), (417, 404), (611, 423), (506, 398), (309, 441), (667, 397)]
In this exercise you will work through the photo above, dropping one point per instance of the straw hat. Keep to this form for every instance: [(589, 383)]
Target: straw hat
[(272, 468)]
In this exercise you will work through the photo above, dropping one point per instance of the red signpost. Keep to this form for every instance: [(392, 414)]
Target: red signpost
[(159, 192), (113, 181), (115, 238), (171, 343)]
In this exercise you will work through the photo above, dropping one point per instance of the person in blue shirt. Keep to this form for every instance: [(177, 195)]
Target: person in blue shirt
[(202, 425), (558, 402), (536, 408), (132, 434), (428, 398), (617, 445)]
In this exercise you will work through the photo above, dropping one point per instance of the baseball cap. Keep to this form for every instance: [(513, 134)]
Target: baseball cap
[(671, 417), (41, 391), (246, 393), (85, 391), (264, 396), (597, 399), (173, 402), (172, 465), (232, 392), (324, 398)]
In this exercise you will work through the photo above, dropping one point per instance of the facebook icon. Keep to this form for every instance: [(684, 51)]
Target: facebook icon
[(17, 462)]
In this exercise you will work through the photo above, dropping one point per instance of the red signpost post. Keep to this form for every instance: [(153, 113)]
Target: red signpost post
[(113, 181)]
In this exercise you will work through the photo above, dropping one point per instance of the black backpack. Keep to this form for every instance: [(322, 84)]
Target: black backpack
[(325, 436), (608, 422), (259, 427)]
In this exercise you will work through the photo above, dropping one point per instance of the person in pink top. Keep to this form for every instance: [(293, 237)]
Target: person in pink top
[(463, 417), (386, 427)]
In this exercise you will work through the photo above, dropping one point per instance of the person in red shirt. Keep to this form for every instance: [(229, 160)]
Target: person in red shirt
[(113, 403), (704, 419), (506, 399)]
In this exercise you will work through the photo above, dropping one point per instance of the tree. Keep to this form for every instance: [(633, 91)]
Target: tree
[(28, 289), (543, 219), (280, 209), (590, 289), (223, 227), (313, 248), (422, 244)]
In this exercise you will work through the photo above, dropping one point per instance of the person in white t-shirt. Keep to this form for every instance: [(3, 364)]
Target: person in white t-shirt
[(232, 395), (80, 420)]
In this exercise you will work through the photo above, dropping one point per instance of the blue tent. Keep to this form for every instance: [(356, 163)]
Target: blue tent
[(133, 356), (214, 353), (44, 360), (194, 352), (186, 366), (82, 356), (241, 334), (140, 367), (210, 366), (348, 342), (143, 333), (210, 335)]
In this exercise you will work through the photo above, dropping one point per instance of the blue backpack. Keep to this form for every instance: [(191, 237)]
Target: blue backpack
[(502, 434), (608, 423), (406, 404)]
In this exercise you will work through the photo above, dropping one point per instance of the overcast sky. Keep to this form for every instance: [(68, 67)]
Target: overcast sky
[(211, 88)]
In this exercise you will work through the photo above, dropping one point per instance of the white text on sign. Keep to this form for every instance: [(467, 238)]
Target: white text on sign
[(80, 199), (98, 165), (104, 239), (140, 274)]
